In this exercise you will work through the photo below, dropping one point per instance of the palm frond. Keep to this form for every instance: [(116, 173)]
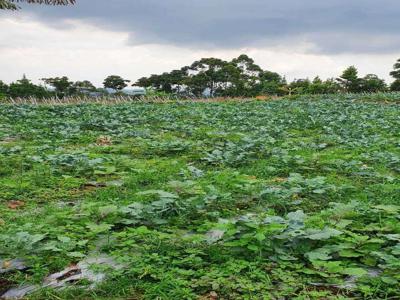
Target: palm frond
[(11, 4), (4, 4), (47, 2)]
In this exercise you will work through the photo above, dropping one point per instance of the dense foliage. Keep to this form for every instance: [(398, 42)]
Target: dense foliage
[(291, 199), (241, 77), (211, 77)]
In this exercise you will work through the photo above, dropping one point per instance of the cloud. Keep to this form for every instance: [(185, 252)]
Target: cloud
[(333, 27), (135, 38)]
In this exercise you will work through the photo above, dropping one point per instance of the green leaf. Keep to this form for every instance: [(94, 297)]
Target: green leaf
[(319, 254), (319, 191), (349, 253), (64, 239), (253, 247), (392, 209), (354, 272), (330, 266), (106, 170), (298, 215), (396, 249), (389, 280), (342, 224), (107, 210), (324, 234), (160, 193), (260, 237), (296, 219), (98, 228), (76, 254)]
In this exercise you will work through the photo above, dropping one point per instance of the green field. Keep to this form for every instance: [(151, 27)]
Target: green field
[(290, 199)]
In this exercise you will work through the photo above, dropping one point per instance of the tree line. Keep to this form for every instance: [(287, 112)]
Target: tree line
[(209, 77), (242, 77), (60, 87)]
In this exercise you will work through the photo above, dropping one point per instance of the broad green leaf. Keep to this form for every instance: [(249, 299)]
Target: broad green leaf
[(354, 272), (107, 210), (392, 209), (324, 234), (349, 253), (319, 254), (160, 193), (98, 228), (76, 254), (260, 237)]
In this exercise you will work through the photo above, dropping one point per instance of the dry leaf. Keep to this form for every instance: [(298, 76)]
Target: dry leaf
[(15, 204), (103, 141), (279, 179), (6, 264), (213, 296)]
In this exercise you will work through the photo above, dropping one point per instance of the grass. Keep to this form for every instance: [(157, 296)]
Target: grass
[(305, 193)]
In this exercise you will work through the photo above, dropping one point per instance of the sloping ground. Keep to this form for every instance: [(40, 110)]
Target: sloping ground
[(250, 200)]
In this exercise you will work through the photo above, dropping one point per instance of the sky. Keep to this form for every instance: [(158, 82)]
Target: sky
[(136, 38)]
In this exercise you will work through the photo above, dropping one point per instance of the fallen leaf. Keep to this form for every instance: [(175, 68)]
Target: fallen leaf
[(15, 204), (103, 141), (89, 186), (213, 296), (279, 179), (6, 264)]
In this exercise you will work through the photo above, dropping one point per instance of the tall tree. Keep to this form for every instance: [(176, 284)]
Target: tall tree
[(24, 88), (84, 86), (249, 80), (395, 86), (396, 70), (3, 88), (299, 86), (62, 85), (115, 82), (206, 75), (350, 81), (272, 83), (371, 83)]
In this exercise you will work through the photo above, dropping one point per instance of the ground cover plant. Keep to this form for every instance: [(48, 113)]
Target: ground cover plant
[(289, 199)]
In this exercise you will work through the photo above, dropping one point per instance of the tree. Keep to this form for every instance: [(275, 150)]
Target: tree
[(207, 76), (371, 83), (159, 83), (3, 88), (396, 72), (23, 88), (84, 86), (63, 87), (176, 79), (350, 81), (299, 86), (395, 86), (115, 82), (272, 83), (11, 4), (330, 86), (249, 82), (216, 77)]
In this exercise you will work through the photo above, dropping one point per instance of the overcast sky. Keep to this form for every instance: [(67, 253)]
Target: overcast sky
[(135, 38)]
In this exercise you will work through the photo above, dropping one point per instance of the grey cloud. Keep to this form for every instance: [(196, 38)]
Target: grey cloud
[(334, 26)]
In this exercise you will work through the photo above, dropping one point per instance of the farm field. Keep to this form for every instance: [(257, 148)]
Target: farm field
[(289, 199)]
